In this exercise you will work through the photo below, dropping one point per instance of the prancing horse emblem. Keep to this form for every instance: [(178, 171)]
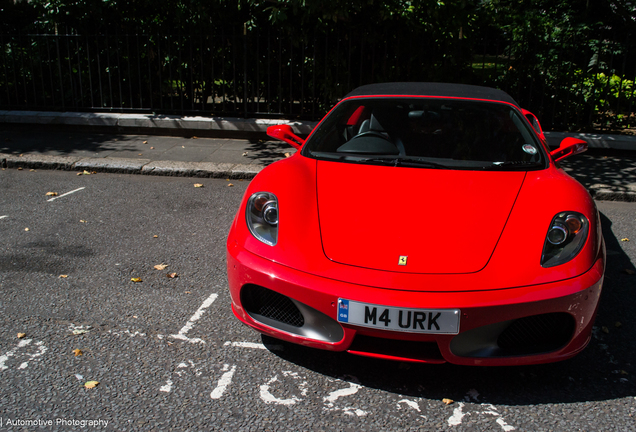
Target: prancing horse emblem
[(402, 260)]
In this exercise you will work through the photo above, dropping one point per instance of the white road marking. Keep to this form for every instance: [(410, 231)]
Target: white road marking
[(351, 390), (64, 194), (268, 398), (458, 415), (5, 216), (197, 315), (253, 345), (168, 387), (410, 403), (41, 350), (5, 357), (225, 381)]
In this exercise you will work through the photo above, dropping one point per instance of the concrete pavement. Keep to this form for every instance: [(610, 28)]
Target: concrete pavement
[(61, 141)]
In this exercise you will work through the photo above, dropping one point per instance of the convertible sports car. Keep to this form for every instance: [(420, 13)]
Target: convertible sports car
[(421, 222)]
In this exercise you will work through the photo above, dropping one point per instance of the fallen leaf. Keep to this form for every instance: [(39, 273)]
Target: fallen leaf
[(78, 352), (155, 236), (93, 172), (624, 372), (145, 142), (79, 173), (20, 168), (63, 276), (91, 384), (617, 324), (629, 271), (447, 401), (152, 148), (161, 266), (82, 221), (194, 137), (287, 154), (51, 194), (244, 153), (188, 292), (26, 229), (182, 146), (625, 239), (21, 335), (172, 275), (229, 185), (198, 185), (605, 330), (80, 331), (140, 154), (86, 173), (137, 279), (134, 316), (79, 377), (31, 170)]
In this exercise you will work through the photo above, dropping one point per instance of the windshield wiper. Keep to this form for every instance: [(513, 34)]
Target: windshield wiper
[(400, 161), (514, 165)]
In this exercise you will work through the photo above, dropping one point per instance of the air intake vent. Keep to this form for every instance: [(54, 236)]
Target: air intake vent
[(537, 333), (270, 304)]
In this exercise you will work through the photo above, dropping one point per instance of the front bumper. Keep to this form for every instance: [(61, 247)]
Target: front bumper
[(486, 315)]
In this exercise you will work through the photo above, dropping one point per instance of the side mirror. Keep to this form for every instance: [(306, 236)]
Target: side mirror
[(568, 147), (285, 133)]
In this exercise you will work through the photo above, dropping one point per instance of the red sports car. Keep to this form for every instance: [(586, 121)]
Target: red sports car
[(421, 222)]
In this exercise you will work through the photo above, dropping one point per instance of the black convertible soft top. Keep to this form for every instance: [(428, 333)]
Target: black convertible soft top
[(432, 89)]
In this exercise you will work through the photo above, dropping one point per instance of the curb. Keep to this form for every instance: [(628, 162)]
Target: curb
[(132, 166), (160, 124)]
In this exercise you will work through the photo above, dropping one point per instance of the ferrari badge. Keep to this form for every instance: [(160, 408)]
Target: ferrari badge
[(402, 260)]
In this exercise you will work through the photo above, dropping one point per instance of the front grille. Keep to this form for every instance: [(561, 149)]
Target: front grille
[(537, 333), (270, 304)]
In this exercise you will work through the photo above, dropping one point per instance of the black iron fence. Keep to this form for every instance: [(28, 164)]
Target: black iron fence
[(236, 72)]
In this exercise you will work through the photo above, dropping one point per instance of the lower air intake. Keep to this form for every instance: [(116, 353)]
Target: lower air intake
[(270, 304), (537, 333)]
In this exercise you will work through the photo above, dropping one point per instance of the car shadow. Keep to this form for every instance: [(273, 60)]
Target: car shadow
[(608, 169), (602, 371)]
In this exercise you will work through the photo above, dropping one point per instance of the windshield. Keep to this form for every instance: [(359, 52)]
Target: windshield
[(426, 132)]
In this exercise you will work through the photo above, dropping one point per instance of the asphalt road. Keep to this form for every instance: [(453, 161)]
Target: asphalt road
[(169, 355)]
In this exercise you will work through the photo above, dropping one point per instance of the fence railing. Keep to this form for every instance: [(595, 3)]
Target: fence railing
[(235, 72)]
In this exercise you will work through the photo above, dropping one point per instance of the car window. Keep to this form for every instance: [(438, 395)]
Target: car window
[(450, 133)]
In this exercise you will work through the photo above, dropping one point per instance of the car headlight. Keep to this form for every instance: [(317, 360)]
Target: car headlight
[(262, 217), (565, 238)]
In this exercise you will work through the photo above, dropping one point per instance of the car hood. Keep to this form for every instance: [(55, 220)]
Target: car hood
[(441, 221)]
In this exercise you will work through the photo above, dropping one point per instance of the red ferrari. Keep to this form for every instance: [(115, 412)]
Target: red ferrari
[(421, 222)]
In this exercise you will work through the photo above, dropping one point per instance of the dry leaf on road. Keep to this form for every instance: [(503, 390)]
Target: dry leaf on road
[(161, 266), (447, 401), (145, 142), (63, 276), (26, 229), (137, 279), (51, 194), (77, 352), (91, 384), (629, 271), (230, 185), (198, 185), (172, 275), (625, 239), (244, 153), (21, 335)]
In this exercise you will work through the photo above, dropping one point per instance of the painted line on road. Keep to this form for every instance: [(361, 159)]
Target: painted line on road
[(193, 319), (5, 216), (67, 193), (254, 345), (226, 380)]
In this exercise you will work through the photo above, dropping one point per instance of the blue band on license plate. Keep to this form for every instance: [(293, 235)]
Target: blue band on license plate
[(439, 321)]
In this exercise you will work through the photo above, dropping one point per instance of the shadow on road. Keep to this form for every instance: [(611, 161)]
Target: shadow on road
[(602, 371)]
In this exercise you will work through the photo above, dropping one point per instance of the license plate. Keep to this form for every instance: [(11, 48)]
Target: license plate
[(442, 321)]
